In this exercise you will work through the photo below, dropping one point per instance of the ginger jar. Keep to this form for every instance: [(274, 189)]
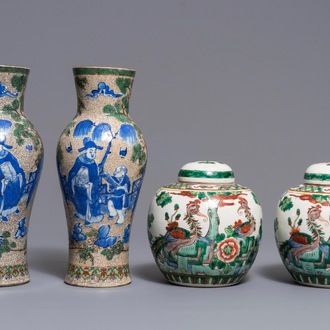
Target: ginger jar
[(205, 229), (302, 230)]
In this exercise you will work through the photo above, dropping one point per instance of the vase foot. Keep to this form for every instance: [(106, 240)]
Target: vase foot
[(98, 277), (14, 275)]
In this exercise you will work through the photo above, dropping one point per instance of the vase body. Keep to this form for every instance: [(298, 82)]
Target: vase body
[(101, 157), (21, 154), (205, 229), (302, 230)]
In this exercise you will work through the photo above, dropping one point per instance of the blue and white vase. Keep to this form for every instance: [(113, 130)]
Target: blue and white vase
[(21, 155), (101, 159)]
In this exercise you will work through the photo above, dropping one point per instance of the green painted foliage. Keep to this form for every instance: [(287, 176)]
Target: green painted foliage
[(86, 254), (115, 111), (151, 219), (139, 155), (163, 199), (80, 82), (220, 237), (9, 108), (124, 84), (59, 154), (92, 233), (321, 198), (230, 231), (286, 204), (6, 245), (19, 82), (255, 198), (114, 250), (23, 128), (81, 106)]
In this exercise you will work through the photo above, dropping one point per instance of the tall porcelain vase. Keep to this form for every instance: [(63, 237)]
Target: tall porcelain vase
[(101, 159), (21, 154)]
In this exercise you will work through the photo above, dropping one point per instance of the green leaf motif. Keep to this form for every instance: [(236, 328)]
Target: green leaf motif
[(286, 204), (220, 237), (115, 111), (151, 219), (19, 82), (86, 253), (139, 155), (321, 198), (229, 231), (255, 198), (10, 108), (80, 82), (81, 106), (114, 250), (6, 234), (59, 154), (124, 84), (163, 199)]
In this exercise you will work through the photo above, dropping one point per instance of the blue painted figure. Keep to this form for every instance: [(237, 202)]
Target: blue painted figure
[(5, 92), (12, 181), (119, 188), (83, 182)]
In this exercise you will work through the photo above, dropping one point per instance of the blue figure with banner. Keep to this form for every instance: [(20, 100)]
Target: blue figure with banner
[(83, 184)]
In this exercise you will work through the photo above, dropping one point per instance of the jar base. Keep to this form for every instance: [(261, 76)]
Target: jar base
[(312, 280), (203, 281), (98, 277)]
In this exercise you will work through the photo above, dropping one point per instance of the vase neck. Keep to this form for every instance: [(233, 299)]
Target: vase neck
[(104, 90), (12, 87)]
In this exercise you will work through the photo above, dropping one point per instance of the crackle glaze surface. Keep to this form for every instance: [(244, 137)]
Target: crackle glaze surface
[(101, 158), (21, 154), (302, 228), (204, 233)]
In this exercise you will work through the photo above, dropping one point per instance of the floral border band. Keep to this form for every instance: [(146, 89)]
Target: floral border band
[(9, 272), (98, 273)]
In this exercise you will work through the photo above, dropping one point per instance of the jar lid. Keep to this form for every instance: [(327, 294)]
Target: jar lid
[(206, 172), (318, 174)]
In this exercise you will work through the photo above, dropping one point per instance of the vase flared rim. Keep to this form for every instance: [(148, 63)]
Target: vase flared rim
[(13, 68), (104, 70)]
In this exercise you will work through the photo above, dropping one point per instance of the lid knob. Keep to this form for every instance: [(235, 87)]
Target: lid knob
[(206, 172), (318, 174)]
